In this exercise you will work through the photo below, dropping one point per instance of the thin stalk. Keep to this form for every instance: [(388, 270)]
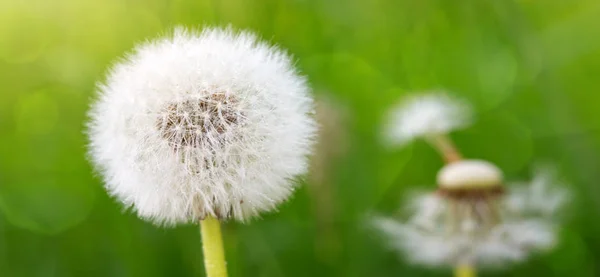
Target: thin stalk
[(464, 270), (443, 144), (212, 246)]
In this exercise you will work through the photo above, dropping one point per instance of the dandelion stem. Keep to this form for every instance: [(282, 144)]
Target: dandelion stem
[(464, 270), (212, 246), (446, 147)]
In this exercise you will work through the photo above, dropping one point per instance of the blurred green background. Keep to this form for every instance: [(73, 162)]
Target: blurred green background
[(530, 67)]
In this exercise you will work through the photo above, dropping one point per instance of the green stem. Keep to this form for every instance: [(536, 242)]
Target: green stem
[(446, 147), (464, 270), (212, 246)]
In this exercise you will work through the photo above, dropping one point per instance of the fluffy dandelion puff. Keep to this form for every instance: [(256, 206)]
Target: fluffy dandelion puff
[(426, 115), (195, 124), (482, 224)]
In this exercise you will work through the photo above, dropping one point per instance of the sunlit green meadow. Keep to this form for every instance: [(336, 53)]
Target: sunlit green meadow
[(530, 68)]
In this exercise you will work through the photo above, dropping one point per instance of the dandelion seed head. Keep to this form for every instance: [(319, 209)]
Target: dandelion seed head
[(488, 231), (198, 123), (424, 115)]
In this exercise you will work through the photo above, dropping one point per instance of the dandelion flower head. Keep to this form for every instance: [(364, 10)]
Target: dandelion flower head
[(424, 115), (202, 123), (485, 226)]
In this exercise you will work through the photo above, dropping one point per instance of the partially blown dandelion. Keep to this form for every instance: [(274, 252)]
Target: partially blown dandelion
[(483, 226), (210, 124), (472, 219)]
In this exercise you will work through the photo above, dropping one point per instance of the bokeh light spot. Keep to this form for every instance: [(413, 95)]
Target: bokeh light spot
[(23, 35)]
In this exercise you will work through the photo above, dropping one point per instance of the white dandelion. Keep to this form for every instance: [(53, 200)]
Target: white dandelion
[(426, 115), (472, 219), (196, 124), (478, 223)]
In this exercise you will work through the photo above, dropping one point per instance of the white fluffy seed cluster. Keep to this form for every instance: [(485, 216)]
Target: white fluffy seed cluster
[(199, 123), (528, 212), (426, 114)]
